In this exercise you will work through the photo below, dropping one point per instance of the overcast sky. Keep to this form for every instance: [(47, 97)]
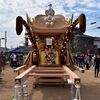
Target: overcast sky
[(10, 9)]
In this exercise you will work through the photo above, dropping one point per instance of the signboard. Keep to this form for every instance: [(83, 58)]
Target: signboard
[(48, 41)]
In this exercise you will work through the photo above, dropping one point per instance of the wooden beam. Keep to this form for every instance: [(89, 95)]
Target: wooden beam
[(48, 75), (23, 76), (75, 79), (49, 71), (80, 69), (50, 80), (27, 57), (49, 68), (19, 69)]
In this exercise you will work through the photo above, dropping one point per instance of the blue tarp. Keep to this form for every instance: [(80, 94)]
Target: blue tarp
[(18, 50)]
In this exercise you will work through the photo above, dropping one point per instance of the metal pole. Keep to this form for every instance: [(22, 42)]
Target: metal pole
[(0, 42), (5, 40)]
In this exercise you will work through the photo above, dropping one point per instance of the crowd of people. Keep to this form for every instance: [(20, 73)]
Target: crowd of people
[(87, 60), (13, 59), (82, 60)]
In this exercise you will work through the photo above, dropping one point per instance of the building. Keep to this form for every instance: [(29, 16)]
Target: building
[(2, 49), (82, 43), (97, 42)]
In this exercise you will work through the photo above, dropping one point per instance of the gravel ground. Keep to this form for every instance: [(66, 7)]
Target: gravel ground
[(90, 87)]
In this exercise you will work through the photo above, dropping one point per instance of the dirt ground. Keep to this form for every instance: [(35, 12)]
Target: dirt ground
[(90, 87)]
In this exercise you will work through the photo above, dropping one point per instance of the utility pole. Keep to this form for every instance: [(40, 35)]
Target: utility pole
[(5, 40)]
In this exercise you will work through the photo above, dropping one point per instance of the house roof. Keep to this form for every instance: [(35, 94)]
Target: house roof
[(84, 36), (97, 39)]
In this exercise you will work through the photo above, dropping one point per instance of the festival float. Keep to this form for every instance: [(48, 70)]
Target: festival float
[(50, 61)]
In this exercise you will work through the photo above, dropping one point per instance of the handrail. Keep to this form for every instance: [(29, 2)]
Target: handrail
[(23, 76), (19, 69), (75, 79)]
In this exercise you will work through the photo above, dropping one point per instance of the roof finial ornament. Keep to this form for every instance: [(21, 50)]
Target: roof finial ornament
[(50, 11), (50, 6), (49, 16)]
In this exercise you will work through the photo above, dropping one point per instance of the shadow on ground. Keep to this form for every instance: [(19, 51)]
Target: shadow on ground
[(50, 93)]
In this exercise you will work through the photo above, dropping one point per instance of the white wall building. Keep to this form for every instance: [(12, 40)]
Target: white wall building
[(97, 42)]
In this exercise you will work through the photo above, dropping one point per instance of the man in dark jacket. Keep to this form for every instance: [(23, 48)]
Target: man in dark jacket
[(97, 65)]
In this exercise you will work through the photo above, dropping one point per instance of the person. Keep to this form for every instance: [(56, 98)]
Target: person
[(97, 65), (87, 59), (1, 62), (13, 59), (93, 59), (81, 60), (3, 59)]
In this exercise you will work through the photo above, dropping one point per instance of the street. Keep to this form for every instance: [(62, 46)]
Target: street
[(90, 87)]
